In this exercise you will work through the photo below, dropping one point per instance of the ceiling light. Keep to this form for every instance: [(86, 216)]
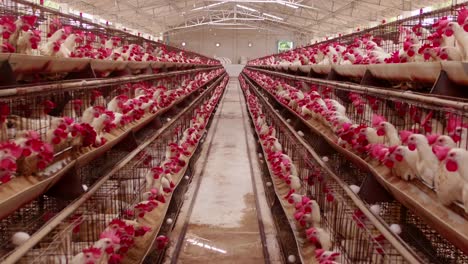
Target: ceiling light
[(247, 8), (183, 44), (217, 45), (208, 6), (296, 5), (293, 6), (272, 16), (287, 4), (250, 44)]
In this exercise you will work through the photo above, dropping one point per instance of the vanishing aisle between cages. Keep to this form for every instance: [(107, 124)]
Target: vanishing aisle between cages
[(222, 218)]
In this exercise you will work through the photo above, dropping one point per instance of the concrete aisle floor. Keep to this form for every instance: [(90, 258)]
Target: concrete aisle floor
[(222, 222)]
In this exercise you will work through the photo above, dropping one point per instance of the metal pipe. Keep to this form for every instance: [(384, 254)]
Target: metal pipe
[(88, 84)]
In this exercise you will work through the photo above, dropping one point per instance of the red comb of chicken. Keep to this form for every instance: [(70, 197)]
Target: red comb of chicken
[(404, 135), (377, 119), (111, 235), (462, 18), (28, 21), (432, 138), (440, 152)]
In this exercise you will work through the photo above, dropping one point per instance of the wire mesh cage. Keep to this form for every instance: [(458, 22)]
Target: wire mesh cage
[(47, 111), (354, 236), (387, 35), (414, 229), (27, 220), (417, 116), (124, 187), (404, 114), (48, 21), (116, 197)]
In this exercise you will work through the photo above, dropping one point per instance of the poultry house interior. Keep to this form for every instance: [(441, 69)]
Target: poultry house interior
[(233, 131)]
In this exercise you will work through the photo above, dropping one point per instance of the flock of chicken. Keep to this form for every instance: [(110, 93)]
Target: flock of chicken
[(422, 153), (307, 213), (21, 35), (307, 210), (120, 234), (25, 152), (447, 41)]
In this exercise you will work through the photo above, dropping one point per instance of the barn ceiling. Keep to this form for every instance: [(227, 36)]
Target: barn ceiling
[(311, 18)]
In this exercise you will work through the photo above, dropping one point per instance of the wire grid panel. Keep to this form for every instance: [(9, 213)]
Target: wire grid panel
[(386, 35), (337, 209), (423, 240), (57, 250), (404, 114), (27, 219), (36, 112), (420, 236), (435, 246), (40, 112), (95, 34), (115, 198)]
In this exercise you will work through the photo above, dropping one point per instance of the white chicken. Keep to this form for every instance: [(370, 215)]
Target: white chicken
[(334, 105), (390, 132), (447, 184), (89, 255), (460, 36), (406, 163), (52, 45), (311, 214), (294, 182), (456, 161), (427, 164), (371, 135), (444, 141), (319, 236)]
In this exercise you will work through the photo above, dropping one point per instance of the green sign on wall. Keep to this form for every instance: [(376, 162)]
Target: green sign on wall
[(284, 45)]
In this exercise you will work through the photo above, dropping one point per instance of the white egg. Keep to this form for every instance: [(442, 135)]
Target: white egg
[(85, 187), (169, 221), (291, 258), (19, 238), (300, 133), (395, 228), (269, 184), (186, 177), (375, 208), (325, 158), (355, 188)]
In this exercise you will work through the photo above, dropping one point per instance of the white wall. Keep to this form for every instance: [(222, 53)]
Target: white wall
[(233, 43), (234, 69)]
